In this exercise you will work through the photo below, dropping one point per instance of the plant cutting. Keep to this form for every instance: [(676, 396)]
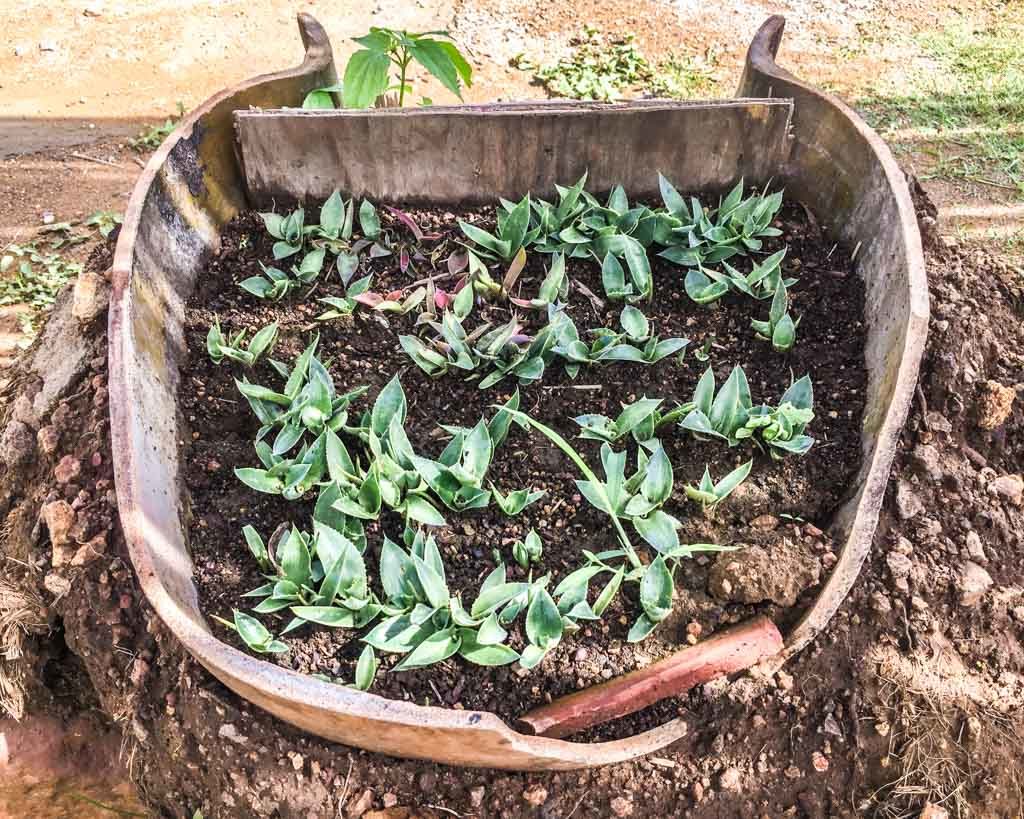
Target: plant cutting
[(710, 494), (779, 329)]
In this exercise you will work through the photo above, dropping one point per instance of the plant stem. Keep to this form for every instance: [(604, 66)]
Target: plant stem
[(588, 473), (404, 63)]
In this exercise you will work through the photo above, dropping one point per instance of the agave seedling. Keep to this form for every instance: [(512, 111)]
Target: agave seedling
[(319, 578), (498, 426), (710, 494), (705, 286), (554, 288), (731, 416), (232, 349), (366, 668), (457, 476), (426, 624), (513, 232), (602, 428), (253, 633), (613, 276), (287, 230), (549, 220), (763, 280), (780, 430), (308, 403), (709, 236), (516, 501), (340, 306), (651, 353), (528, 551), (779, 329), (275, 283)]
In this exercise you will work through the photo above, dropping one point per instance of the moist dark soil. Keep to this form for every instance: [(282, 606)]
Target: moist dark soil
[(364, 350)]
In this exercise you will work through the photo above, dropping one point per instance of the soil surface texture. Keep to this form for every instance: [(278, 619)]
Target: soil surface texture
[(713, 591)]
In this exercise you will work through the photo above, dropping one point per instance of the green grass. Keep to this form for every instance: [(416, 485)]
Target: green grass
[(606, 68), (967, 107), (150, 137), (34, 272)]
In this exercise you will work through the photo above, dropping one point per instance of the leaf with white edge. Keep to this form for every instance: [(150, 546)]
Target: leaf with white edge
[(437, 647), (635, 323), (609, 591), (656, 590), (490, 632), (543, 622), (389, 404), (658, 529), (656, 486), (423, 511), (433, 583), (366, 669), (485, 655), (640, 629), (532, 655)]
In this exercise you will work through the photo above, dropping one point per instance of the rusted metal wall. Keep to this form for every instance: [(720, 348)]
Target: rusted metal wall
[(194, 184)]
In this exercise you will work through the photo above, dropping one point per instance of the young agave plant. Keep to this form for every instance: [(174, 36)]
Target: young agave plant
[(319, 578), (780, 430), (341, 306), (710, 494), (308, 403), (651, 353), (253, 633), (516, 501), (731, 416), (458, 474), (232, 349), (528, 551), (513, 232), (275, 283), (597, 427), (780, 329), (549, 220), (426, 624), (709, 236), (554, 288)]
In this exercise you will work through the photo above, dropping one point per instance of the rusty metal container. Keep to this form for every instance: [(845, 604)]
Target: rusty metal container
[(234, 152)]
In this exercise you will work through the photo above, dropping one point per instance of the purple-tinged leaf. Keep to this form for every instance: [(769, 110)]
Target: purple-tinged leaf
[(457, 262), (370, 298), (406, 220)]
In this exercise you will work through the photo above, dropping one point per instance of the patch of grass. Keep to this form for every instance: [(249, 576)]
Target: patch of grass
[(606, 68), (34, 272), (34, 277), (968, 106), (151, 137), (685, 77)]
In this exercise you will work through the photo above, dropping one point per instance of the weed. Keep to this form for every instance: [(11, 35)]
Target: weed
[(152, 136), (604, 67), (38, 277)]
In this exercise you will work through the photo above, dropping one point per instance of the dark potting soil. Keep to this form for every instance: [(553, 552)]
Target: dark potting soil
[(364, 350)]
